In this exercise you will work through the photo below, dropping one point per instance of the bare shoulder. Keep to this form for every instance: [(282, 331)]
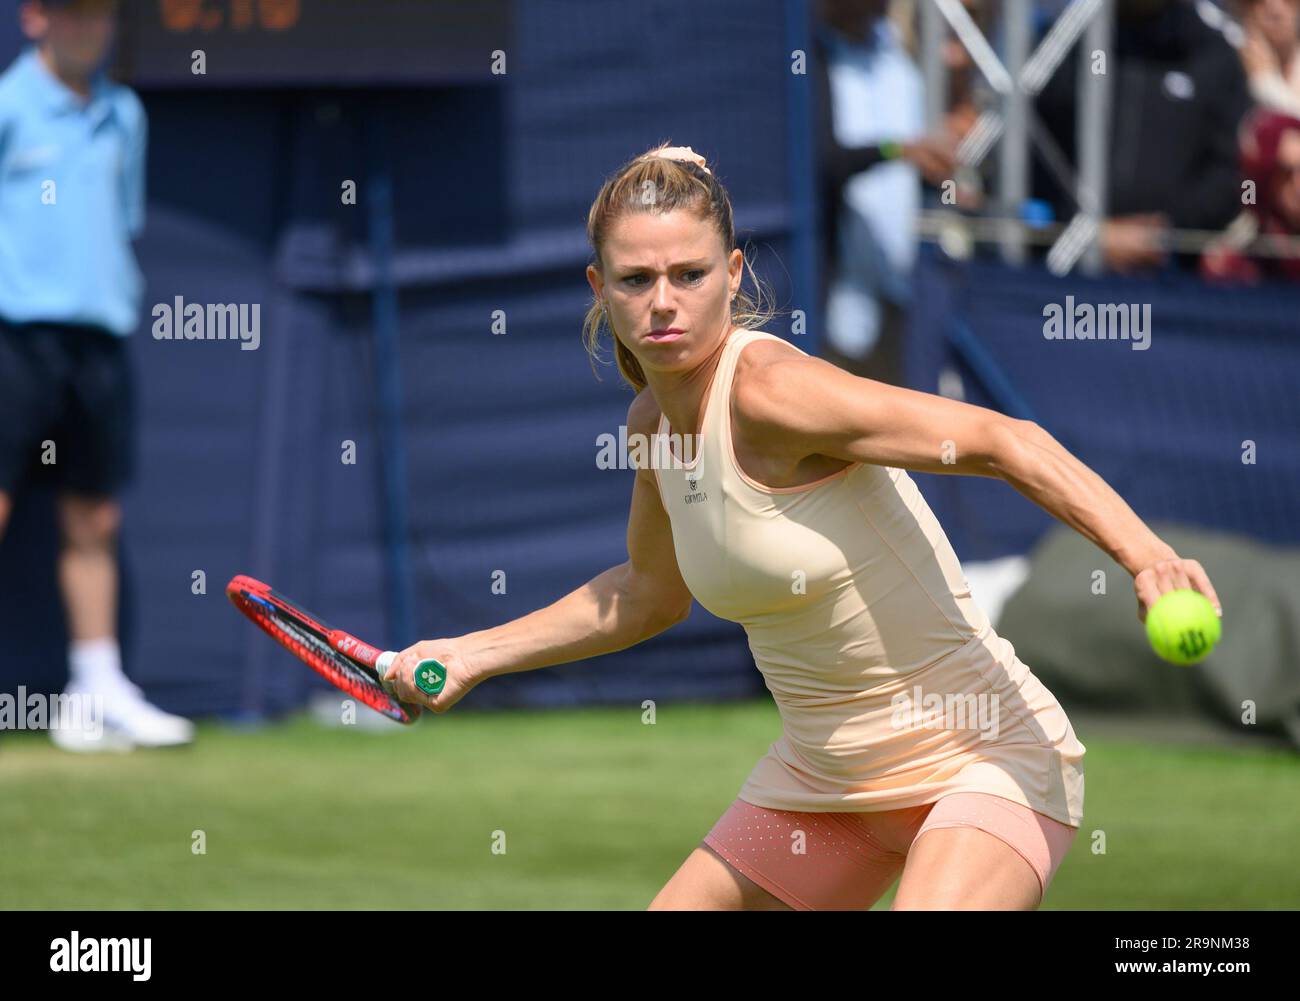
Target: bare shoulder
[(773, 379), (764, 351)]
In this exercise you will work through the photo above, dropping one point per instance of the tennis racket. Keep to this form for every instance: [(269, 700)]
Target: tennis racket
[(346, 661)]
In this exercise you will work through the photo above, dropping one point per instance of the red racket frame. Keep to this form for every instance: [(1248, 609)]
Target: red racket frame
[(270, 611)]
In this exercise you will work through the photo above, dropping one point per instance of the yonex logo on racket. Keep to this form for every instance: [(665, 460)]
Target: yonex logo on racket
[(430, 677)]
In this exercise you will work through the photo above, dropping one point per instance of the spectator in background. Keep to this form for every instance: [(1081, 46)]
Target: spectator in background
[(963, 105), (1179, 95), (72, 148), (1270, 157), (870, 116), (1270, 52)]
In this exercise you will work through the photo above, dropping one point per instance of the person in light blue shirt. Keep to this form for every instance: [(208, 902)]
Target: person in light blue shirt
[(72, 159), (71, 198)]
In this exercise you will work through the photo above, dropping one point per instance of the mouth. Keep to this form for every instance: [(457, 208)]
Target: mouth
[(665, 334)]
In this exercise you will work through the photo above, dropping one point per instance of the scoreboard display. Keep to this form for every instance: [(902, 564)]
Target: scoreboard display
[(171, 43)]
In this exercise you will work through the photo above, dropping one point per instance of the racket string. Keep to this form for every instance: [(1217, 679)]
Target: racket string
[(350, 673)]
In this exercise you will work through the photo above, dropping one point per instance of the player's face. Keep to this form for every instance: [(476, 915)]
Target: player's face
[(667, 285), (79, 34)]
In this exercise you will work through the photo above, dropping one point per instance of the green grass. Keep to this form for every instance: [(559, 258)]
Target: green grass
[(597, 811)]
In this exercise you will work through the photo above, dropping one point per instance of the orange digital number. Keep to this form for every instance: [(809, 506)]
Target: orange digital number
[(277, 15), (271, 15), (241, 14), (181, 15)]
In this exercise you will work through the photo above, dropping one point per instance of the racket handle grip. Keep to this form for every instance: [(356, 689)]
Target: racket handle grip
[(430, 675), (382, 663)]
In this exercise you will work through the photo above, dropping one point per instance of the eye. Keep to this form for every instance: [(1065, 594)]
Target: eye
[(694, 271), (631, 279)]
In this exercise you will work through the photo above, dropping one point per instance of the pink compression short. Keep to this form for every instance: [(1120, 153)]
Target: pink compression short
[(850, 859)]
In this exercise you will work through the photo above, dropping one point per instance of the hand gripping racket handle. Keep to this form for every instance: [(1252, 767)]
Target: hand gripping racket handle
[(430, 675)]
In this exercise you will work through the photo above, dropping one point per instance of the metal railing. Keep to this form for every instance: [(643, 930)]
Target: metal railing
[(953, 229), (1016, 82)]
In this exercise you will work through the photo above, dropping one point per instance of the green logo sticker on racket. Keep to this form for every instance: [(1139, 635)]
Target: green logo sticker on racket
[(430, 676)]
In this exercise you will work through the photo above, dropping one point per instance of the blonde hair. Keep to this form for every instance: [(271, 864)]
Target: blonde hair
[(652, 183)]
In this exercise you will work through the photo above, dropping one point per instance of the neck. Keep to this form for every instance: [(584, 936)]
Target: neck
[(75, 82), (681, 395)]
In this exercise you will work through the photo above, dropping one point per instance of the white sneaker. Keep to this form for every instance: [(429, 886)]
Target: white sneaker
[(90, 734), (146, 725), (120, 720)]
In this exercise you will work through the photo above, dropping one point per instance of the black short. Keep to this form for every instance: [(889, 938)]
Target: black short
[(67, 408)]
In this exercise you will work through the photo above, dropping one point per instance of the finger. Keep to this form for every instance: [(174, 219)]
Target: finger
[(1201, 583), (399, 675), (445, 699), (408, 692), (1148, 593), (1177, 576), (390, 684), (405, 662)]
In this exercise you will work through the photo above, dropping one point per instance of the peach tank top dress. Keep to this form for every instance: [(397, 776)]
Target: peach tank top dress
[(893, 688)]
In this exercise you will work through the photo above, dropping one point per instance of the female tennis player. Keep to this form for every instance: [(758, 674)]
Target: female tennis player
[(794, 516)]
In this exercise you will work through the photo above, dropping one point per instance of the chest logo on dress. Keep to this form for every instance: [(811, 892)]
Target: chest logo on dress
[(695, 494)]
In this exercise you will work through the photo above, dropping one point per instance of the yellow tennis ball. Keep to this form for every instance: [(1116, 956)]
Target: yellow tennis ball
[(1183, 626)]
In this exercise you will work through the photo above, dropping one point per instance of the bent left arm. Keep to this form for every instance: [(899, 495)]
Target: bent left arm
[(805, 406)]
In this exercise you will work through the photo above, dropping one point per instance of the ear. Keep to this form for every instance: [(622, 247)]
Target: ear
[(595, 280)]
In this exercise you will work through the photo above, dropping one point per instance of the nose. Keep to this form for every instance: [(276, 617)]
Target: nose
[(661, 303)]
